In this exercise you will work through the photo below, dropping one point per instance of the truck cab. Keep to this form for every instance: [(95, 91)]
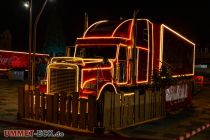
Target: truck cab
[(104, 56), (116, 56)]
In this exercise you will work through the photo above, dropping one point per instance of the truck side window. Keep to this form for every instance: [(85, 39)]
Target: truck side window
[(122, 53), (145, 34), (142, 34), (122, 64)]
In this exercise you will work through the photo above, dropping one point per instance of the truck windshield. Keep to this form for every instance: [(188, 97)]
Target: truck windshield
[(96, 51)]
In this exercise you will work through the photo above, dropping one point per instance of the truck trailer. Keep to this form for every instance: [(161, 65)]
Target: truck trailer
[(15, 64), (124, 56)]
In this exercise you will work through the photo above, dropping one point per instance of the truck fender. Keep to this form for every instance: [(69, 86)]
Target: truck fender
[(107, 86)]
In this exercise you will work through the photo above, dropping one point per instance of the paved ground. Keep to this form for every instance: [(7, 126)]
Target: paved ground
[(9, 99), (202, 136), (176, 125), (167, 128), (8, 116)]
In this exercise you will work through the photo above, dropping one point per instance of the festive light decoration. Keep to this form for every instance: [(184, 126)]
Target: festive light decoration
[(97, 72), (87, 81), (130, 28), (164, 27), (101, 89), (129, 94), (93, 25), (22, 52), (64, 66)]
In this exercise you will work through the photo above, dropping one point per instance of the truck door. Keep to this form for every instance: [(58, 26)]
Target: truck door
[(143, 51), (122, 65)]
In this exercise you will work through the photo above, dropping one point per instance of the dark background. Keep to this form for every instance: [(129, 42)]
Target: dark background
[(191, 19)]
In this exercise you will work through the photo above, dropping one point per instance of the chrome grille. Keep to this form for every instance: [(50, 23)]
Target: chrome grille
[(62, 79)]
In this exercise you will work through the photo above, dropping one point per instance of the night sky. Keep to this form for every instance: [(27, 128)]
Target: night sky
[(191, 19)]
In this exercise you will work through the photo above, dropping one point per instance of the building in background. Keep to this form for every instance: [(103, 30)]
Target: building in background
[(202, 63), (5, 40)]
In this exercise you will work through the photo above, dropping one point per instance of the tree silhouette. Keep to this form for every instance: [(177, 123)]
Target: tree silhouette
[(54, 43)]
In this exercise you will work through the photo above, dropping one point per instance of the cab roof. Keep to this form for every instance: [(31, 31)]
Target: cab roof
[(105, 28)]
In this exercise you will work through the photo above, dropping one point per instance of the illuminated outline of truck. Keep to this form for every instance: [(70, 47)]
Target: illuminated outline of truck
[(116, 57)]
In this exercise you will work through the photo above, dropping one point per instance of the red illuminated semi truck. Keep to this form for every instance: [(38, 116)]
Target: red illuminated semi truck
[(121, 57)]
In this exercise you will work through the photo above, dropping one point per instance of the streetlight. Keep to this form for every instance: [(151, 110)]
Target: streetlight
[(28, 5), (34, 43), (31, 67)]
